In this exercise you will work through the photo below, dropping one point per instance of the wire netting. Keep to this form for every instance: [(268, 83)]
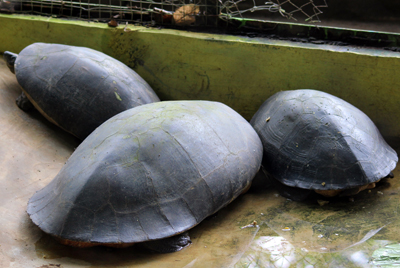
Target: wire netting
[(307, 10), (178, 12)]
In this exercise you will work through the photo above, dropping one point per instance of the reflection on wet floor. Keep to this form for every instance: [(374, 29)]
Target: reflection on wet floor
[(339, 233)]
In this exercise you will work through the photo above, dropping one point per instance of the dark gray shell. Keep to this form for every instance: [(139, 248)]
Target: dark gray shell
[(79, 88), (314, 140), (150, 172)]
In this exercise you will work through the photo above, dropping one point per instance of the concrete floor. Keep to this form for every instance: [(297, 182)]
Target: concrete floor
[(339, 234)]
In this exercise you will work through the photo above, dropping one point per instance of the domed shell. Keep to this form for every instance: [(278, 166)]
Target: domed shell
[(314, 140), (148, 173), (78, 88)]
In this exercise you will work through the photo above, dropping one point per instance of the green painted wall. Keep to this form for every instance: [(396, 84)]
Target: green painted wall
[(240, 72)]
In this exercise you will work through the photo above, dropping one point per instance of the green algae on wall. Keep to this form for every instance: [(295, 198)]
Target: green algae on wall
[(243, 73), (18, 31), (240, 72)]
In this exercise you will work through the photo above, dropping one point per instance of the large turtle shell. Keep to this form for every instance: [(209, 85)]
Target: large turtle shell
[(148, 173), (78, 88), (314, 140)]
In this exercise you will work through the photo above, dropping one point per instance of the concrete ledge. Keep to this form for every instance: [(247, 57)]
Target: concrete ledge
[(240, 72)]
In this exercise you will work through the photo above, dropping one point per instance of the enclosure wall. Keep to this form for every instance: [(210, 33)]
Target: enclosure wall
[(240, 72)]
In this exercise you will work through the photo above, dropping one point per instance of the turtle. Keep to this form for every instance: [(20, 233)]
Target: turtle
[(148, 175), (314, 141), (76, 88)]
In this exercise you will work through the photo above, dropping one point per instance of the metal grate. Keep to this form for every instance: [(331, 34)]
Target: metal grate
[(178, 12)]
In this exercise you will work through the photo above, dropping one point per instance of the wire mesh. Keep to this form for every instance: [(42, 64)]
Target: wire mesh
[(178, 12), (256, 9)]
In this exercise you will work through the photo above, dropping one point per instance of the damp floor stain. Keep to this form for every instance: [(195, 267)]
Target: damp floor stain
[(280, 232)]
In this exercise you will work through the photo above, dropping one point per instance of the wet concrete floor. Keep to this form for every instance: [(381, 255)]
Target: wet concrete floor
[(341, 233)]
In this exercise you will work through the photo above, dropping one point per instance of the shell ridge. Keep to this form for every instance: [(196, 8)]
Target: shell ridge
[(67, 215), (194, 165), (40, 223), (216, 134), (112, 207), (317, 185), (67, 71), (157, 203)]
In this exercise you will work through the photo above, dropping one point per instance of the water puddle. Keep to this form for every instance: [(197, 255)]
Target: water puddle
[(341, 233)]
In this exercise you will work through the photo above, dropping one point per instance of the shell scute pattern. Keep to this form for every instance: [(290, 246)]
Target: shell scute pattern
[(314, 140), (150, 172), (78, 88)]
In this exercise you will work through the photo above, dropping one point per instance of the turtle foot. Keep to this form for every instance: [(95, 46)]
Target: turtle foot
[(10, 58), (169, 244), (23, 102)]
